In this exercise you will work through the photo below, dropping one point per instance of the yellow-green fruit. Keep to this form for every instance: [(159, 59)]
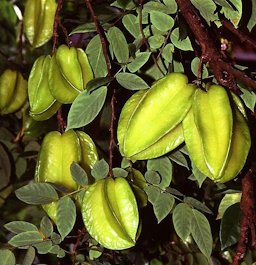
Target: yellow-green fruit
[(39, 20), (69, 72), (13, 91), (217, 135), (110, 213), (56, 155), (150, 122), (42, 104)]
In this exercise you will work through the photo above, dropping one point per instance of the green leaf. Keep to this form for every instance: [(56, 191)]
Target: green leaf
[(25, 239), (224, 3), (195, 64), (182, 218), (172, 6), (54, 249), (131, 81), (87, 27), (178, 66), (96, 57), (207, 9), (156, 6), (179, 159), (229, 227), (131, 24), (252, 21), (56, 238), (197, 204), (29, 256), (184, 44), (174, 192), (156, 41), (233, 15), (161, 21), (119, 44), (5, 168), (249, 98), (78, 174), (125, 163), (17, 227), (98, 82), (167, 52), (61, 253), (66, 216), (94, 254), (163, 166), (163, 206), (227, 201), (199, 176), (46, 226), (139, 61), (152, 193), (7, 257), (152, 177), (37, 193), (100, 169), (201, 232), (86, 107), (119, 172)]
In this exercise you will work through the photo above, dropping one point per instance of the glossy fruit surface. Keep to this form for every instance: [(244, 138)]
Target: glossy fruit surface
[(69, 73), (42, 104), (150, 121), (56, 155), (110, 213), (216, 134), (39, 20), (13, 91)]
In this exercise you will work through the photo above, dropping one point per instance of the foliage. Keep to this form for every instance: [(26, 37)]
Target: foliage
[(185, 217)]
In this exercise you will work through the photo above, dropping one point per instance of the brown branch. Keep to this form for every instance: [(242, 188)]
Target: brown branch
[(243, 37), (55, 26), (247, 223), (100, 31), (112, 143), (223, 71)]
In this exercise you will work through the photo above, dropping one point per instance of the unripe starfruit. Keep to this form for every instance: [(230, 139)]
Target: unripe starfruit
[(39, 20), (150, 122), (216, 134), (13, 91), (56, 155), (42, 104), (69, 73), (110, 213)]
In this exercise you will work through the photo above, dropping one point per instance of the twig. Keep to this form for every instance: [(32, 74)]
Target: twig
[(243, 37), (81, 233), (247, 223), (223, 71), (61, 122), (144, 39), (55, 26), (111, 129), (101, 35)]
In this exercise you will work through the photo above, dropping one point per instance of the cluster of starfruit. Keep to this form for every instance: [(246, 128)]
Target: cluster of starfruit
[(212, 123), (13, 91), (57, 80), (109, 207)]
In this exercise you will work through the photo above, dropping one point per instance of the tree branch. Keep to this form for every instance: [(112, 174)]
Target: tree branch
[(247, 223), (223, 71), (55, 26)]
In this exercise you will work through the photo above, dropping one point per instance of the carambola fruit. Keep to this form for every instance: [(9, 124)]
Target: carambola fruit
[(150, 122), (110, 213), (69, 72), (42, 104), (56, 155), (216, 134), (13, 91), (39, 20)]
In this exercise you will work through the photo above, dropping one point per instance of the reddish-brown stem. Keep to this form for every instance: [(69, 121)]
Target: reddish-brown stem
[(144, 39), (247, 224), (112, 133), (101, 35), (223, 71), (61, 122), (55, 26)]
